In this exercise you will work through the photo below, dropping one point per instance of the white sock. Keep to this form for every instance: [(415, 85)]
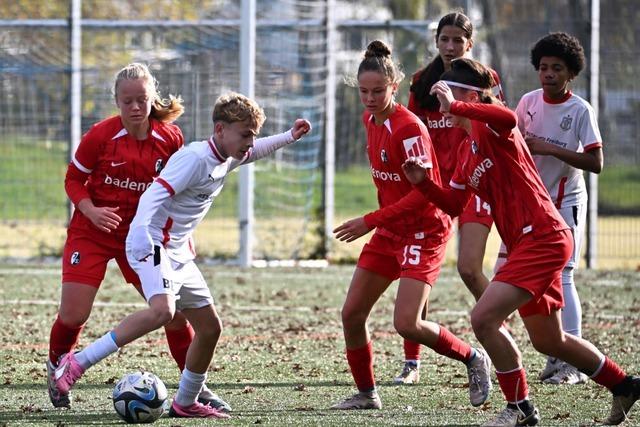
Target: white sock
[(97, 350), (572, 311), (189, 387), (206, 393)]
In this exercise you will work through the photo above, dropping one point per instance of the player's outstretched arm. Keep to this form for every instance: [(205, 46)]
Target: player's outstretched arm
[(267, 145)]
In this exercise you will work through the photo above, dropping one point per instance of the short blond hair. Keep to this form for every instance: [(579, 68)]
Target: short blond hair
[(165, 110), (234, 107)]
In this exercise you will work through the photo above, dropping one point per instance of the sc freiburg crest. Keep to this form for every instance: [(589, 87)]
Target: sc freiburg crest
[(565, 124), (159, 165), (383, 156), (474, 147), (75, 258)]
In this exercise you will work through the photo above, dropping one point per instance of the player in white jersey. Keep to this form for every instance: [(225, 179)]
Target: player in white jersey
[(160, 248), (562, 133)]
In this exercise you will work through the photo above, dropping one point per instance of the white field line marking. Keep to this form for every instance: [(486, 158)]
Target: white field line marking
[(233, 307), (31, 271)]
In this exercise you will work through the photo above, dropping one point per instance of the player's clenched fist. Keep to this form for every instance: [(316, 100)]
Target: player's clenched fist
[(300, 128), (415, 170)]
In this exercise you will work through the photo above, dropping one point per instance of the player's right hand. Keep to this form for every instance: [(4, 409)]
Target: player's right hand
[(441, 90), (104, 218), (414, 170), (139, 243)]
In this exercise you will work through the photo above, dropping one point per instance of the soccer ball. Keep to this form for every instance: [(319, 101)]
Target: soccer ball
[(140, 397)]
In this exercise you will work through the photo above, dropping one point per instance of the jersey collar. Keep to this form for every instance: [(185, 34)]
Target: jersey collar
[(215, 151), (557, 101), (387, 122)]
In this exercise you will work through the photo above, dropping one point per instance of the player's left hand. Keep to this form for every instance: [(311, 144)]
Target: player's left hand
[(139, 243), (300, 128), (351, 230), (538, 146)]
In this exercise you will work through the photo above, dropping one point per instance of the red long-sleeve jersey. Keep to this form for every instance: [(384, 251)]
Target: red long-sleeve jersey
[(113, 169)]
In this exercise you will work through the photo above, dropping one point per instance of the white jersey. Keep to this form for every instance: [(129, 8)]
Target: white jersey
[(181, 196), (570, 124)]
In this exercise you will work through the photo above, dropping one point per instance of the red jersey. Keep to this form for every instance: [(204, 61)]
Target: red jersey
[(404, 211), (112, 168), (495, 163), (446, 138)]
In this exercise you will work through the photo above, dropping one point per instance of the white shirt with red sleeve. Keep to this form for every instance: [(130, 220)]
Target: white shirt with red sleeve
[(570, 124), (113, 169), (495, 163), (182, 195)]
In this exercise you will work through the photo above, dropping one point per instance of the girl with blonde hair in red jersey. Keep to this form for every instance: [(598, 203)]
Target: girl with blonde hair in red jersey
[(454, 39), (116, 161), (538, 241), (410, 247)]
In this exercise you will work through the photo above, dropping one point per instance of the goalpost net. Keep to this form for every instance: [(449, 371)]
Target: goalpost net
[(193, 51)]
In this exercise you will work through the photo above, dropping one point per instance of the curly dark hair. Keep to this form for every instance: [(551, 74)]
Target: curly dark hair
[(561, 45)]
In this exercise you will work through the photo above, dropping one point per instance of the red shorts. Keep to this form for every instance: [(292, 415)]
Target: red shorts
[(85, 258), (535, 264), (418, 259), (476, 211)]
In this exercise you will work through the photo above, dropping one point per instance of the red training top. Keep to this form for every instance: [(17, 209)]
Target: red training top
[(404, 212), (112, 168), (495, 163)]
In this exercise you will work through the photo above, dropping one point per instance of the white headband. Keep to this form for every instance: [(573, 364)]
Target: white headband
[(462, 85)]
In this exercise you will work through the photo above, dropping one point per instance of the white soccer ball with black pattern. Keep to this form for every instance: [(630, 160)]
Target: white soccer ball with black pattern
[(140, 397)]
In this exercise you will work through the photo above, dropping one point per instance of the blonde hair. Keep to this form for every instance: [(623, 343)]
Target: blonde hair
[(162, 109), (234, 107)]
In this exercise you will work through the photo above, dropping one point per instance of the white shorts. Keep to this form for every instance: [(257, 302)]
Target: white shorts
[(576, 218), (159, 274)]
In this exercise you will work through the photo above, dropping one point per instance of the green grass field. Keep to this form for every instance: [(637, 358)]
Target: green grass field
[(281, 358)]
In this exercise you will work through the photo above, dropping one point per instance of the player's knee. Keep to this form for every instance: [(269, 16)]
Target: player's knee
[(73, 318), (162, 315), (405, 326), (468, 273), (548, 344), (483, 325), (352, 317), (178, 322), (212, 330)]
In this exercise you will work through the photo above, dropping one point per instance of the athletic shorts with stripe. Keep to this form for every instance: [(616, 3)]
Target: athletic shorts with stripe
[(477, 211), (535, 264), (159, 274), (394, 257)]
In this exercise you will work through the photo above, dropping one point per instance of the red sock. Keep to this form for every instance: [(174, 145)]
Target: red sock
[(609, 375), (62, 339), (411, 350), (361, 363), (451, 346), (179, 341), (514, 385)]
